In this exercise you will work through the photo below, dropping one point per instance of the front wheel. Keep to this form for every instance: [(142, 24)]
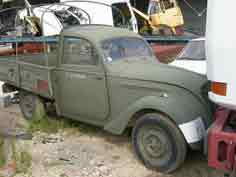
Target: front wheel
[(158, 143), (32, 106)]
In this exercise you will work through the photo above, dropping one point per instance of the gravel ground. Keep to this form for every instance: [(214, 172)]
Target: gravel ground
[(71, 153)]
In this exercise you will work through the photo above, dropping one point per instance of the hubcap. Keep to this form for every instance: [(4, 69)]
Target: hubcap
[(154, 143)]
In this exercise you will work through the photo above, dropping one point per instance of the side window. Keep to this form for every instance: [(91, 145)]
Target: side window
[(168, 4), (78, 52), (135, 47), (113, 49), (153, 8)]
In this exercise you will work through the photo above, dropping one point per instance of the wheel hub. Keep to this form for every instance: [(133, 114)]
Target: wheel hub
[(154, 143)]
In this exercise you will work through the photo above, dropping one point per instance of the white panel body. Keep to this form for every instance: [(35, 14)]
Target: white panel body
[(221, 48), (191, 65)]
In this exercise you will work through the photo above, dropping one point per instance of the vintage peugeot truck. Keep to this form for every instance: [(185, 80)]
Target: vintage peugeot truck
[(109, 77)]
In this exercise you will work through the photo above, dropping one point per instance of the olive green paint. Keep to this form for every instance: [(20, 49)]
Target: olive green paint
[(109, 94)]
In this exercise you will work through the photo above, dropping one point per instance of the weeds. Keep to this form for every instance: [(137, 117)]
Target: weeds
[(46, 124), (23, 161), (22, 158), (2, 157), (53, 125)]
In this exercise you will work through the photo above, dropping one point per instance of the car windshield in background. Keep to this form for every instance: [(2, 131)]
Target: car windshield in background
[(120, 48), (69, 15), (194, 50)]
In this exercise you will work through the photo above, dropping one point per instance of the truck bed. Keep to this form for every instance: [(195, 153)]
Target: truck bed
[(31, 77), (28, 66)]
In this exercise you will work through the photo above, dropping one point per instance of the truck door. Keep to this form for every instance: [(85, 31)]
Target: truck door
[(80, 81)]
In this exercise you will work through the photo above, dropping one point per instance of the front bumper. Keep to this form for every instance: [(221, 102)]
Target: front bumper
[(222, 100), (194, 132)]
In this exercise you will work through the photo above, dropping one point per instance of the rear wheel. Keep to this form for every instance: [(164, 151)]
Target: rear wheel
[(158, 143), (32, 106)]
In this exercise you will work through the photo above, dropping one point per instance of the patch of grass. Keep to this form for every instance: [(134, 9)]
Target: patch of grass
[(2, 157), (53, 125), (82, 127), (46, 124), (23, 160)]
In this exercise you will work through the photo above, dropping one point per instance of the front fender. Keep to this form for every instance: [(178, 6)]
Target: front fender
[(180, 108)]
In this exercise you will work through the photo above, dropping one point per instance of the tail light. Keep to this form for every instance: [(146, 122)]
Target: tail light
[(219, 88)]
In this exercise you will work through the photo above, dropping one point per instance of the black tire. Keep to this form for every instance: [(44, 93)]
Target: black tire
[(32, 106), (158, 143)]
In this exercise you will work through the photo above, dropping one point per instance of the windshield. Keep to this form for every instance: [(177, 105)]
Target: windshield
[(168, 4), (70, 15), (156, 7), (194, 50), (120, 48)]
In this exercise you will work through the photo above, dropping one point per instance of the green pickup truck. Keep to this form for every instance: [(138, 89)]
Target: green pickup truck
[(109, 77)]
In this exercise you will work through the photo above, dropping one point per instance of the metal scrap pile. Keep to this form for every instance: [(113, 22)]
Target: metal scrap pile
[(7, 21)]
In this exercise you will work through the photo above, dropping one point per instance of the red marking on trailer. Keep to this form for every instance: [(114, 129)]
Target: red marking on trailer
[(42, 85)]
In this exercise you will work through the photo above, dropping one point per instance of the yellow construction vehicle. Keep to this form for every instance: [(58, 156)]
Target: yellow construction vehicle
[(164, 17), (30, 23)]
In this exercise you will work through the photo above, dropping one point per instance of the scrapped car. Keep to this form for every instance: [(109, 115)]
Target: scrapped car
[(193, 57), (7, 21), (109, 77), (55, 17)]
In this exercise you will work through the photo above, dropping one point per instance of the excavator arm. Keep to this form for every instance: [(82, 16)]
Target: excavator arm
[(141, 14)]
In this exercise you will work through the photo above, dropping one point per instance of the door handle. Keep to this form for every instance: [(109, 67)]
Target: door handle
[(11, 70), (98, 77)]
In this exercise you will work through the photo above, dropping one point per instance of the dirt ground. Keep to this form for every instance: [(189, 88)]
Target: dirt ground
[(71, 153)]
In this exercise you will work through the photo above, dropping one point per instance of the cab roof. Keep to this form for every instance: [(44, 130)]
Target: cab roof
[(98, 33)]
